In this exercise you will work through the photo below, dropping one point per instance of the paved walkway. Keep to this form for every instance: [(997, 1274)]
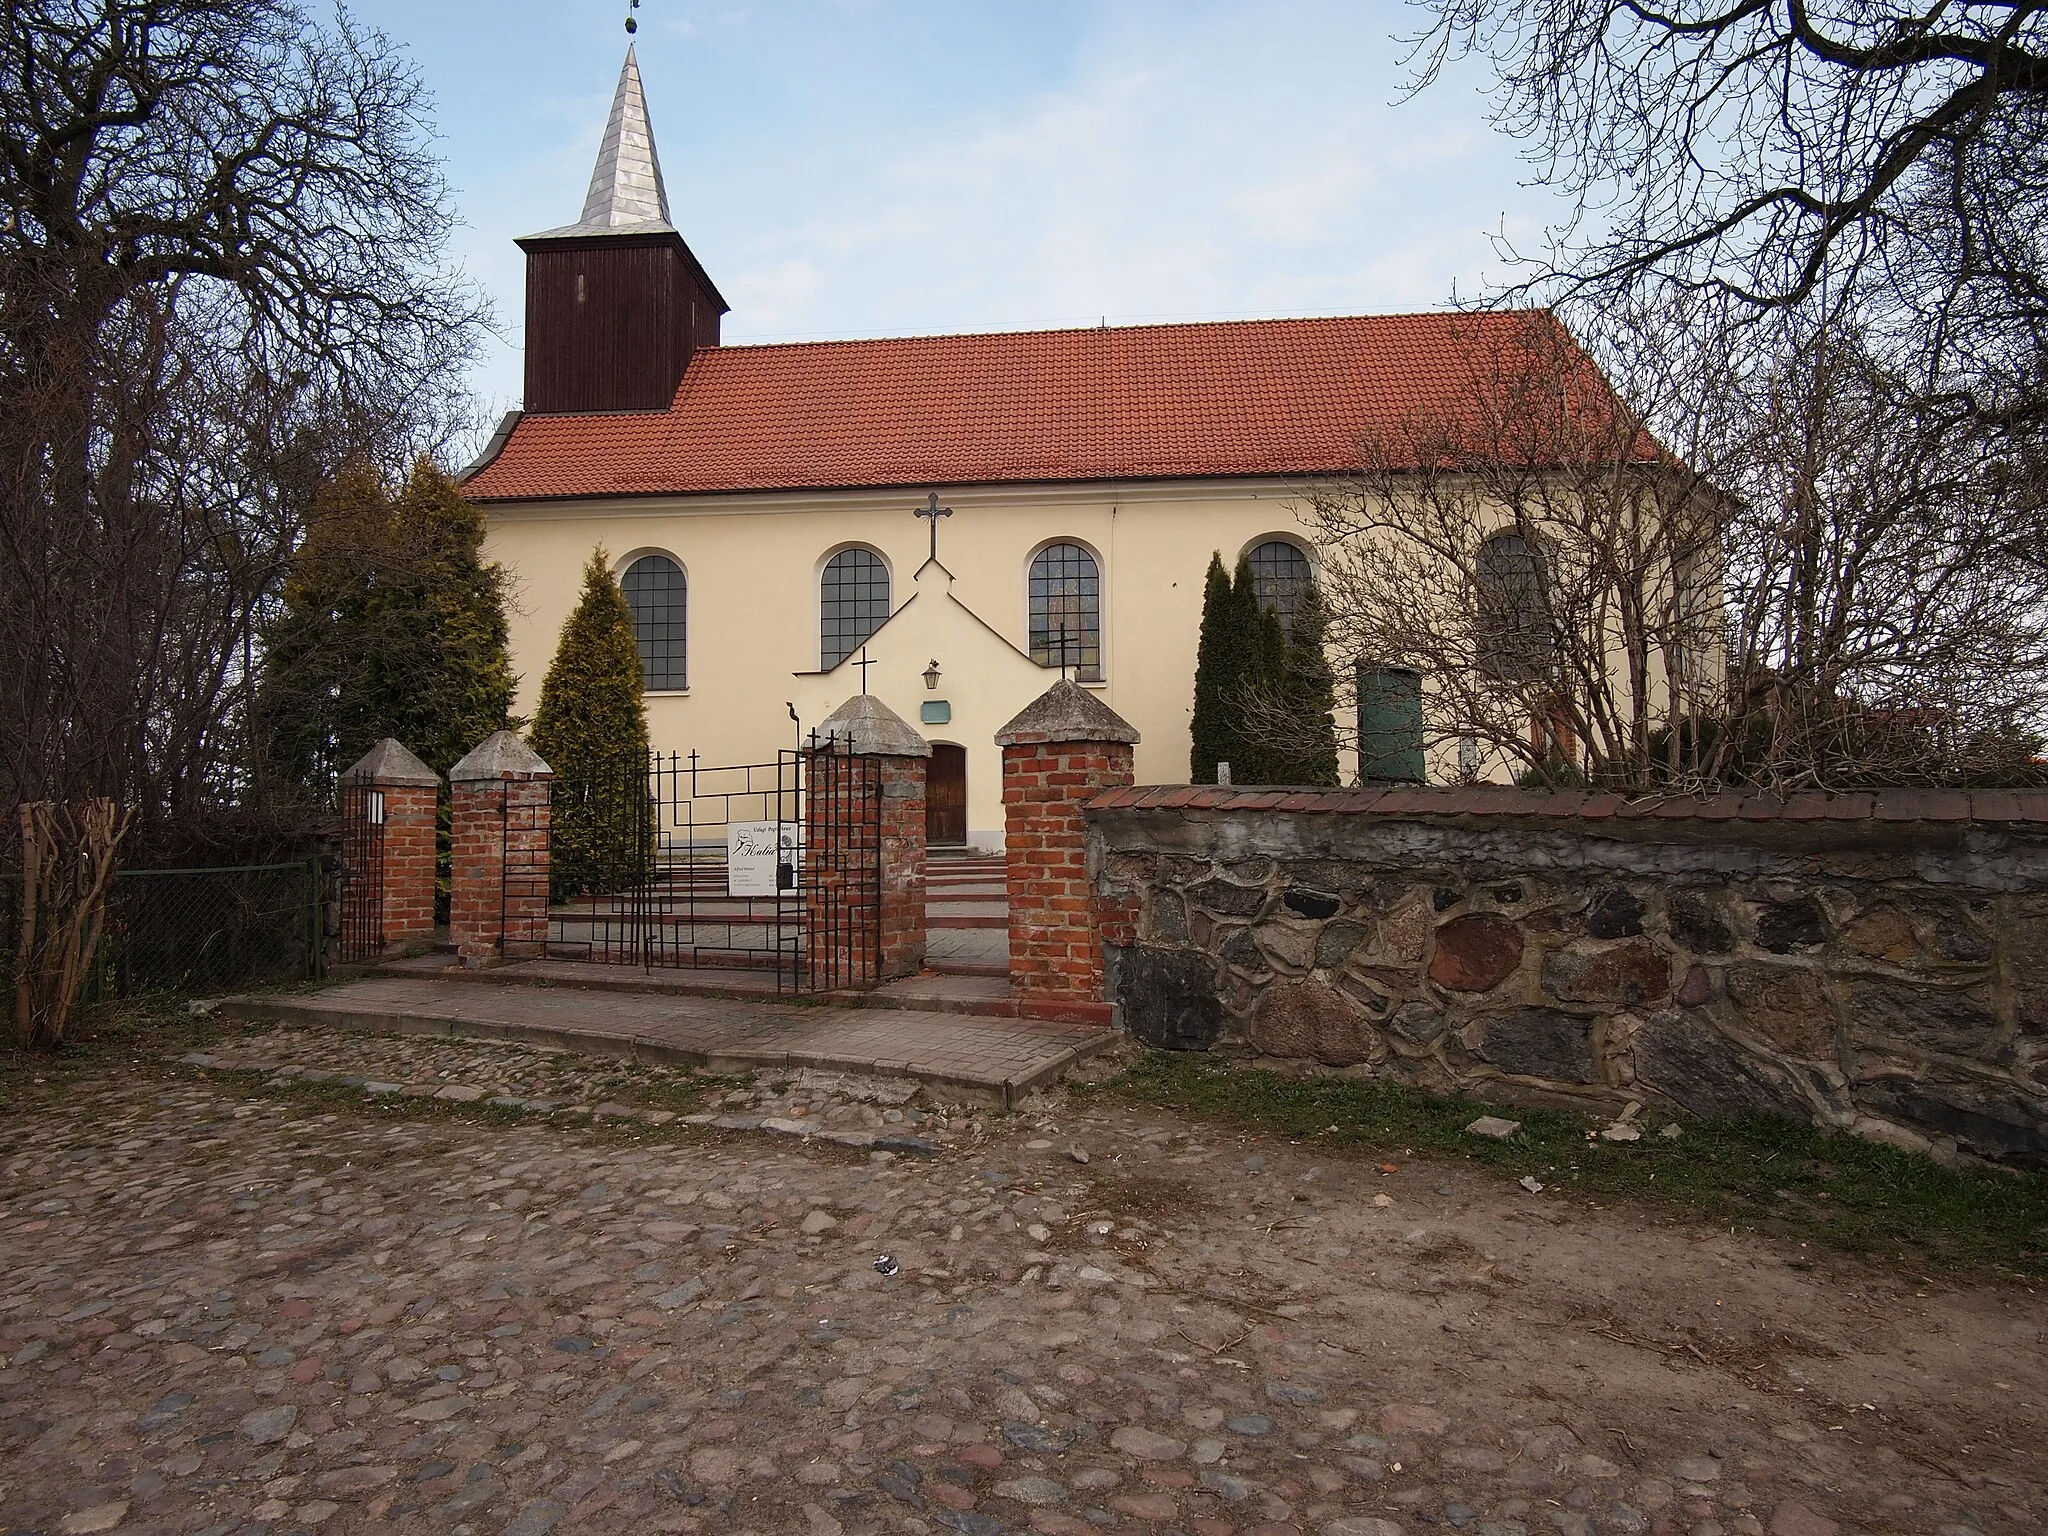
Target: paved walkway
[(230, 1306), (967, 909), (993, 1059)]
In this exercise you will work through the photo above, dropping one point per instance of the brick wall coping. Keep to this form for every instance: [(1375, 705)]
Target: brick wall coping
[(867, 727), (1999, 806), (499, 756), (1066, 712), (390, 763)]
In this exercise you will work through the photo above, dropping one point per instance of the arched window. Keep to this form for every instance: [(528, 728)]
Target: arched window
[(659, 595), (853, 602), (1514, 636), (1279, 572), (1066, 610)]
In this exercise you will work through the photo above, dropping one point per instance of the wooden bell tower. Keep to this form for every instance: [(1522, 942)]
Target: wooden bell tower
[(616, 304)]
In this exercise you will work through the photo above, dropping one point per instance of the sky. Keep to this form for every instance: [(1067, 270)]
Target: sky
[(900, 167)]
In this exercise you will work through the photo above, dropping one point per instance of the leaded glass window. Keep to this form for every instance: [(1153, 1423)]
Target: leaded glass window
[(1514, 632), (1279, 572), (853, 602), (659, 594), (1066, 610)]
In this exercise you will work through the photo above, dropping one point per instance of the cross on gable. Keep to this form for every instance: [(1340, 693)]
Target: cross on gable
[(863, 664), (931, 509)]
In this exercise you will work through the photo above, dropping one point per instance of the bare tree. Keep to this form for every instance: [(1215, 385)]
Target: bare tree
[(1548, 567), (1889, 612), (1887, 154), (222, 272), (1799, 578), (67, 859)]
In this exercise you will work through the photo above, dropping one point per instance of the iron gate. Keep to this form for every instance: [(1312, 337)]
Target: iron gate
[(360, 879), (664, 860)]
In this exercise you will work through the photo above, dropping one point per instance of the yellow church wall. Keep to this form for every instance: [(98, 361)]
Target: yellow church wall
[(753, 565)]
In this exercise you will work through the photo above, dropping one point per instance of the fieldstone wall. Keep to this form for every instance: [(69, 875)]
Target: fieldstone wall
[(1876, 963)]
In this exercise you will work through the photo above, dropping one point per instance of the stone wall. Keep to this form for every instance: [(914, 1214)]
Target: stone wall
[(1877, 963)]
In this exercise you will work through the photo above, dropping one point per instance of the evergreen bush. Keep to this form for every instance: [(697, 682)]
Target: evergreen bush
[(1245, 666), (592, 730), (1309, 754), (1218, 667), (1260, 759)]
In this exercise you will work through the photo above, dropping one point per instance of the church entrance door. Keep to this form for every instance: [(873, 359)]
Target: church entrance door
[(945, 796)]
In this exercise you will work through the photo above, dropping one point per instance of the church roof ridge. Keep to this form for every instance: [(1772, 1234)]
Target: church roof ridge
[(1519, 313)]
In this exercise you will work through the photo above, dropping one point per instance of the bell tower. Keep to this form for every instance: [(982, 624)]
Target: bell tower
[(615, 303)]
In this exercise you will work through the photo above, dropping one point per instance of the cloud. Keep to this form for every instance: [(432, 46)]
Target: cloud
[(1180, 168)]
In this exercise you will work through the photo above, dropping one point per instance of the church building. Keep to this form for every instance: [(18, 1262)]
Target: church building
[(945, 522)]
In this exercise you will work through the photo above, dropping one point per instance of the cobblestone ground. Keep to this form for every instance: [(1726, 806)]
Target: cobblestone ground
[(235, 1302)]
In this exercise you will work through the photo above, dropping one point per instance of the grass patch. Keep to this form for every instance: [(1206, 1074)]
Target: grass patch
[(1768, 1174), (146, 1036), (132, 1028)]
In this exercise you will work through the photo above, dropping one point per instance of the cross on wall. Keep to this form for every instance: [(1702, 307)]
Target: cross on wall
[(933, 511)]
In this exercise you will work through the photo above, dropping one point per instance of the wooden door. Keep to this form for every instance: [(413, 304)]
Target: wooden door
[(945, 795)]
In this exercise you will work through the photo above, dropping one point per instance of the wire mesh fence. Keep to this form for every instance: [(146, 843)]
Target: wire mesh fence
[(196, 930)]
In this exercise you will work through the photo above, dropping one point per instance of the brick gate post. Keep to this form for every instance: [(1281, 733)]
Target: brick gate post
[(866, 727), (408, 789), (498, 904), (1064, 749)]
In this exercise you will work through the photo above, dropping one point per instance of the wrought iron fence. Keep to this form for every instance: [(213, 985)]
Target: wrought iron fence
[(197, 930), (643, 872)]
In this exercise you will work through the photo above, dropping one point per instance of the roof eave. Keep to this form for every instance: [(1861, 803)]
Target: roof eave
[(622, 237), (967, 483)]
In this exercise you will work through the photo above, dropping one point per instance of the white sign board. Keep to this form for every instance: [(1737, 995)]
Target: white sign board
[(760, 857)]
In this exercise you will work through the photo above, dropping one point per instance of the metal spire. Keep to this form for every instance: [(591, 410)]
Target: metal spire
[(626, 187)]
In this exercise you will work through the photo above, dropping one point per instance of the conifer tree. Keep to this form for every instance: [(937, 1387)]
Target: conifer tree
[(313, 703), (1310, 694), (1265, 668), (592, 730), (1218, 666), (393, 624), (442, 624)]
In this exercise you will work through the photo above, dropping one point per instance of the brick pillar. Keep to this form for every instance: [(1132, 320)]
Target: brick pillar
[(498, 904), (903, 857), (865, 729), (1064, 749), (408, 788)]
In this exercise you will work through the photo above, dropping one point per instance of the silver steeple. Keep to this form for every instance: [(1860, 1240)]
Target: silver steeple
[(626, 186), (626, 190)]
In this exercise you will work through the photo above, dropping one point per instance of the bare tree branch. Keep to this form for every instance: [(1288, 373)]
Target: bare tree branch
[(222, 272)]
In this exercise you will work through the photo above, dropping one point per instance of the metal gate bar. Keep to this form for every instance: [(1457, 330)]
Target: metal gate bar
[(772, 867), (361, 876)]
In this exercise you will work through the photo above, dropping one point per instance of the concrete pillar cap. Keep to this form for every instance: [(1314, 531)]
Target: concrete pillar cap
[(867, 727), (1066, 712), (390, 763), (501, 755)]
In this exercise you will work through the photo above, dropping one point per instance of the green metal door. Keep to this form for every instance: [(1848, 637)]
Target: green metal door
[(1389, 724)]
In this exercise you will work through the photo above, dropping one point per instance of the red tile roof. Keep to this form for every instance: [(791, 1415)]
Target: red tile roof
[(1258, 397)]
